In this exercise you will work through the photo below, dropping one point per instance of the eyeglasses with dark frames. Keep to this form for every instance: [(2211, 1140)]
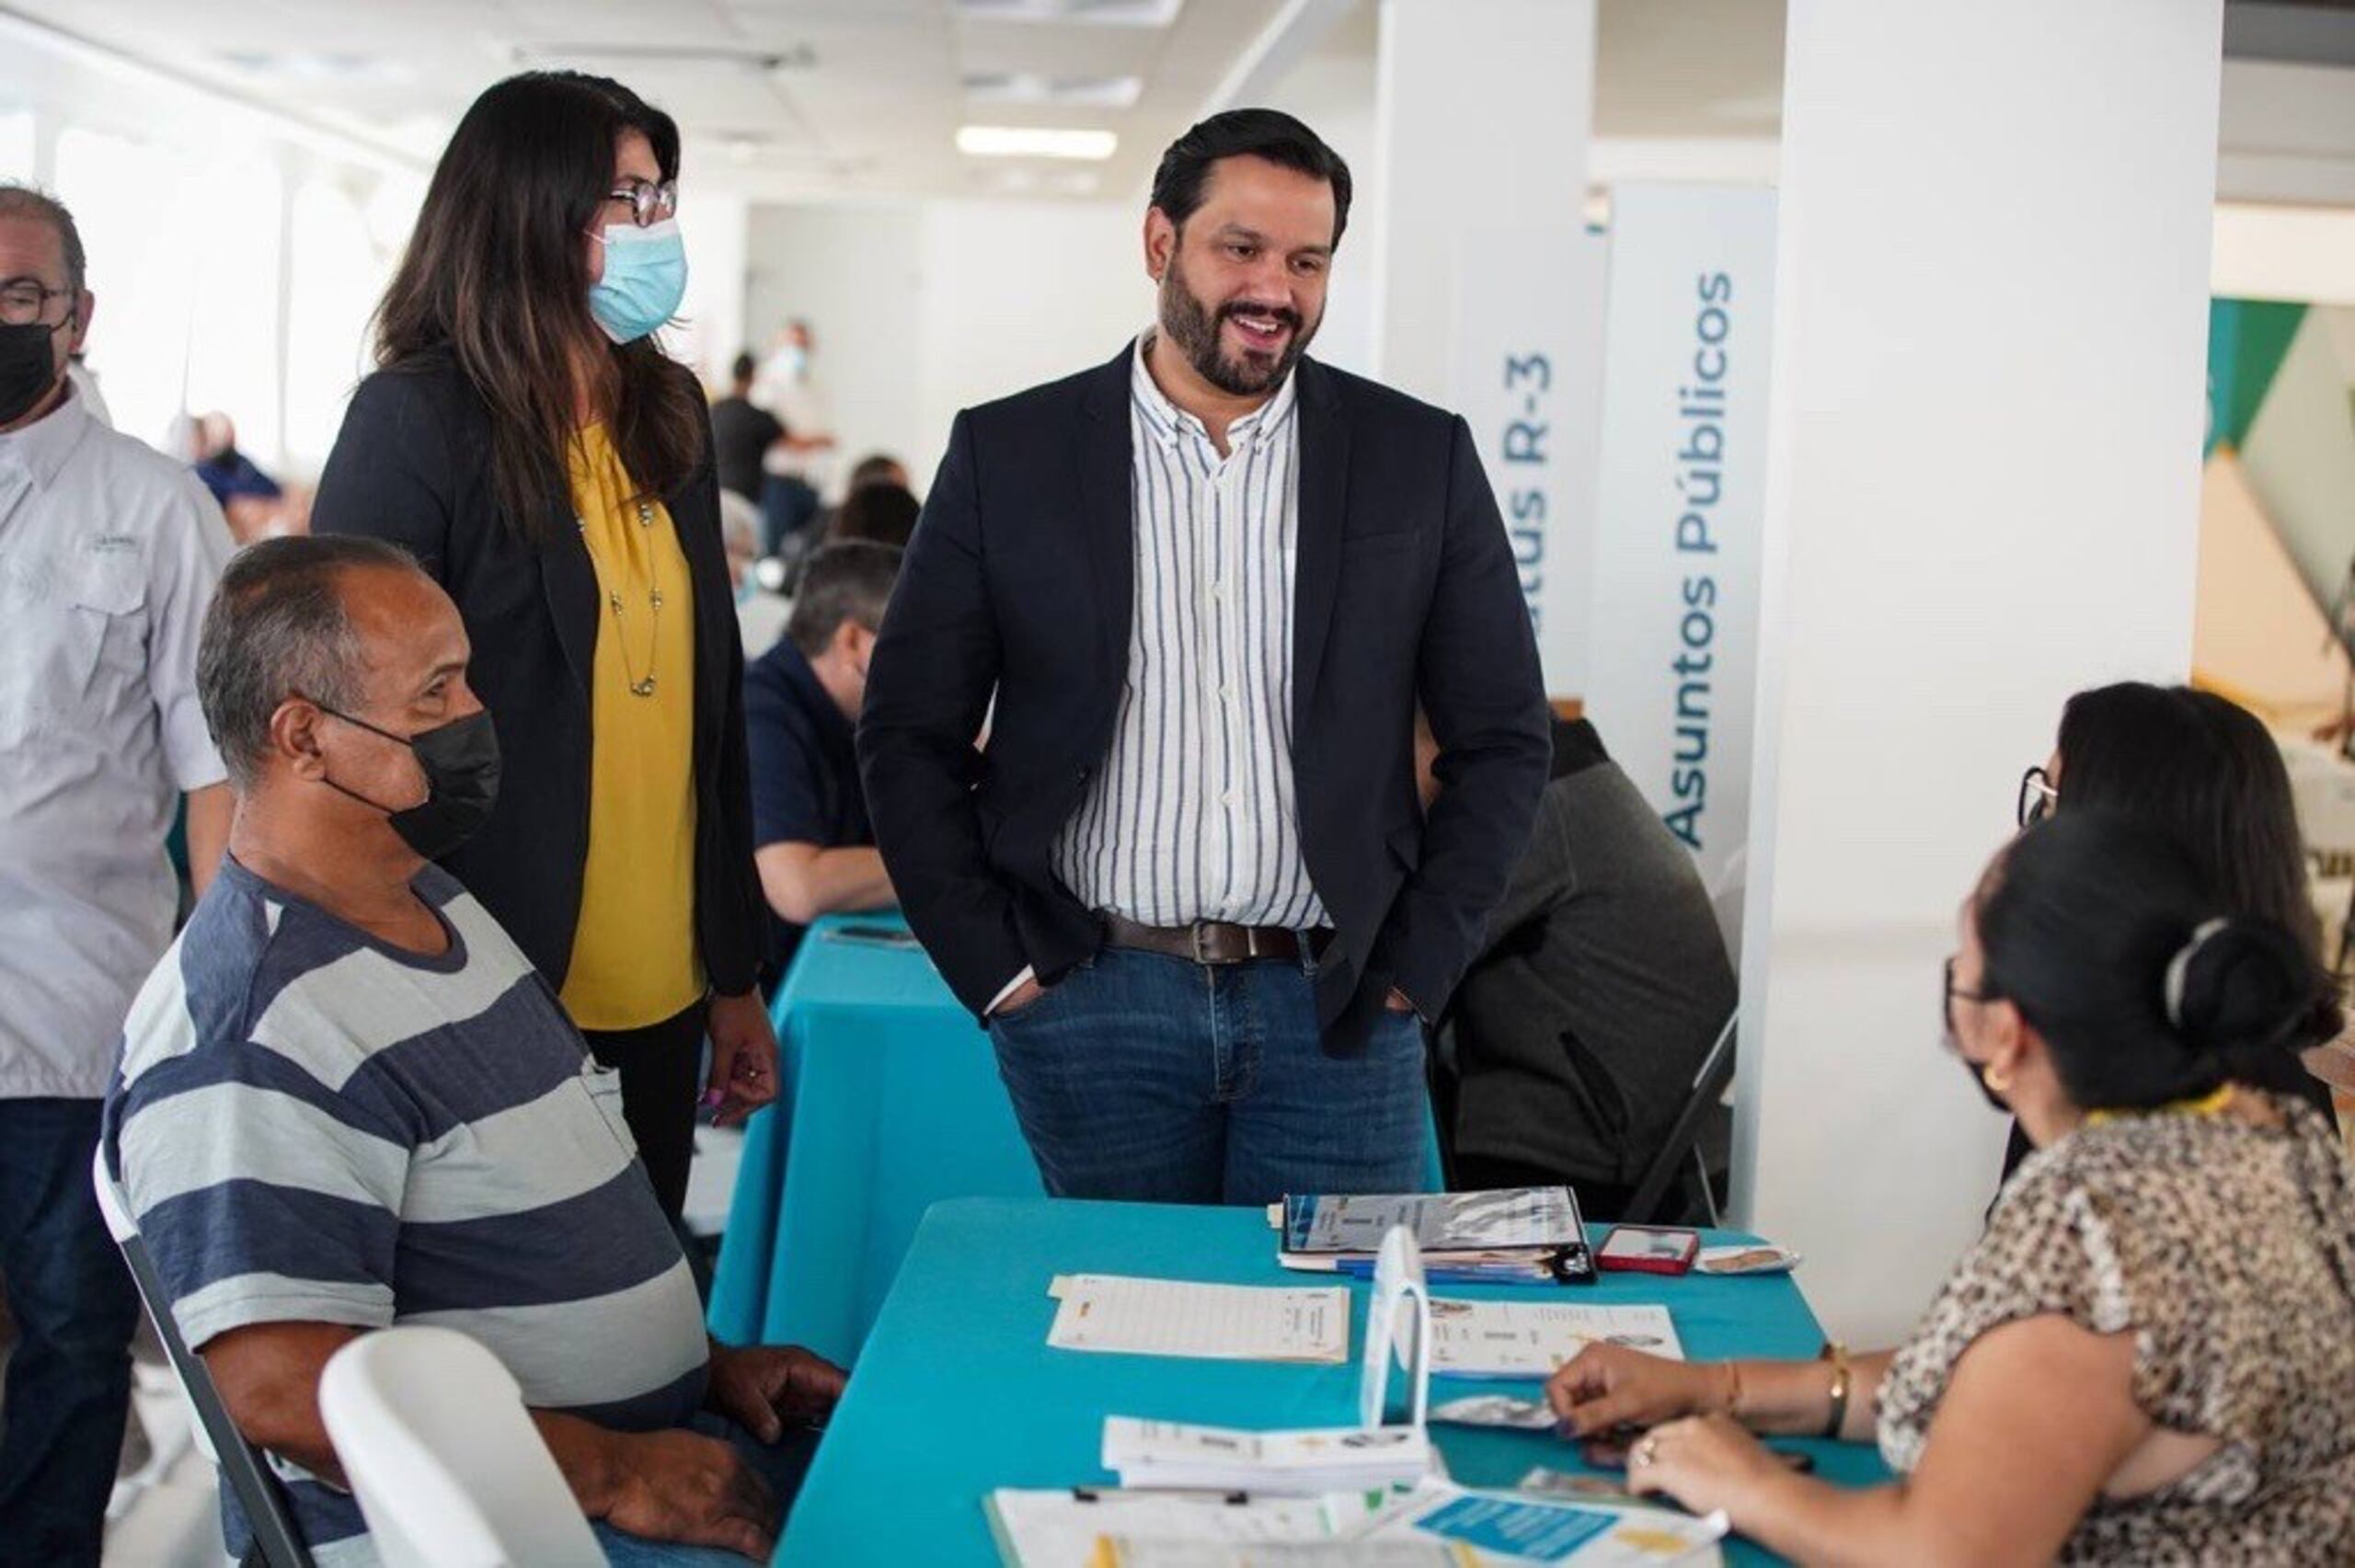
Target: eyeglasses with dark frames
[(1946, 1001)]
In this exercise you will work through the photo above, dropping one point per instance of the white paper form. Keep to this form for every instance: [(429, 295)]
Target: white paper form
[(1065, 1528), (1517, 1217), (1530, 1339), (1127, 1315)]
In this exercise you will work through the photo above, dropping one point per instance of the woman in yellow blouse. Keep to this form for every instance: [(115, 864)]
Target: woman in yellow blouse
[(529, 441)]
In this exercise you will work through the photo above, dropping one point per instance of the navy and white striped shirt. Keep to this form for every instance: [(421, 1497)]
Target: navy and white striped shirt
[(1192, 814), (311, 1126)]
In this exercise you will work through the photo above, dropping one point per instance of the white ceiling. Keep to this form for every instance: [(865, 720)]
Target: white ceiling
[(777, 97)]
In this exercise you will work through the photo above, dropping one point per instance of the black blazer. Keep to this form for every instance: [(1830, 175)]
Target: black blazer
[(1018, 584), (412, 466)]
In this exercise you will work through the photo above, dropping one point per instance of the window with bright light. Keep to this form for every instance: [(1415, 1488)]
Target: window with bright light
[(336, 273), (140, 222), (233, 359), (16, 144)]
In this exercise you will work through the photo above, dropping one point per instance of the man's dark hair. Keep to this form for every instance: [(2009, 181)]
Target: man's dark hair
[(18, 200), (882, 514), (876, 468), (842, 582), (1267, 133), (740, 368), (277, 627)]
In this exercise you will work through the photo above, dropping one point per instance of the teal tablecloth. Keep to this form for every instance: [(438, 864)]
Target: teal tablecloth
[(958, 1392), (889, 1101)]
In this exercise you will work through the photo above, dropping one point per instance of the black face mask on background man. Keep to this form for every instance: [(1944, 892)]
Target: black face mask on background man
[(460, 761), (27, 367)]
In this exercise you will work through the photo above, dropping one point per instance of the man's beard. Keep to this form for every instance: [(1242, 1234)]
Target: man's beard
[(1193, 327)]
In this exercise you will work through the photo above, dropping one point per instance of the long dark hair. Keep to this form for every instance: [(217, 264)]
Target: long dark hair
[(2204, 771), (495, 278), (2121, 951)]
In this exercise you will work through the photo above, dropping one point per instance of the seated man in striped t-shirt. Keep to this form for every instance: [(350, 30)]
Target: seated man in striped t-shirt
[(346, 1100)]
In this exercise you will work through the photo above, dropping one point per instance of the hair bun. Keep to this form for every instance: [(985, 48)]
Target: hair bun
[(2238, 985)]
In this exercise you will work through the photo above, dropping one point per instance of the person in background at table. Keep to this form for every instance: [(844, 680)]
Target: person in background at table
[(878, 468), (814, 846), (345, 1102), (742, 433), (1600, 989), (787, 388), (2204, 771), (528, 440), (108, 559), (879, 513), (2150, 1354), (760, 614), (1207, 584)]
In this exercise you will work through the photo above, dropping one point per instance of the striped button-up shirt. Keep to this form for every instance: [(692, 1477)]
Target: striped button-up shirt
[(1191, 817)]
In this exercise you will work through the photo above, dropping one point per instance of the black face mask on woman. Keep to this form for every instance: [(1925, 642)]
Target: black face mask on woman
[(27, 367), (460, 761)]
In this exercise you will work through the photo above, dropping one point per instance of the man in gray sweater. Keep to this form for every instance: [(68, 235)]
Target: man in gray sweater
[(1603, 984)]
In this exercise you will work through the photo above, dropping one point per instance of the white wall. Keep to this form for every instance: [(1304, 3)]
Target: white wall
[(1982, 490)]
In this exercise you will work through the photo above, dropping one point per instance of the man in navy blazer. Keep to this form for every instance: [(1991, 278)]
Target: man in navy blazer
[(1187, 883)]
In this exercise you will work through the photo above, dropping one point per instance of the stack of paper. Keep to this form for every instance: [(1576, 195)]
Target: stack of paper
[(1502, 1528), (1517, 1235), (1217, 1458), (1082, 1526), (1530, 1339), (1175, 1317)]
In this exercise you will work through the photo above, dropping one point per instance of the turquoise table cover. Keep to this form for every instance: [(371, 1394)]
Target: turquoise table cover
[(959, 1394), (890, 1101)]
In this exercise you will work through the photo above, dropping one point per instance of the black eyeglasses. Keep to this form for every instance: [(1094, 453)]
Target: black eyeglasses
[(2039, 795), (22, 301), (1947, 1002)]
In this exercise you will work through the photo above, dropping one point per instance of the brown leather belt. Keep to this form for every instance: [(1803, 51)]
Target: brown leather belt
[(1213, 942)]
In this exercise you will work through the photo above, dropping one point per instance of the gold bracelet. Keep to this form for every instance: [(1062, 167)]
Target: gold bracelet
[(1837, 1354), (1733, 1390)]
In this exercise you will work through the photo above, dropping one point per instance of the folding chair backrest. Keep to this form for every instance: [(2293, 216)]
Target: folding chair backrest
[(1708, 1089), (276, 1542)]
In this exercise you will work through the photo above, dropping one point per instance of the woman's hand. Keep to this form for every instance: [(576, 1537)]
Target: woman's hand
[(743, 1057), (1606, 1387), (1705, 1462)]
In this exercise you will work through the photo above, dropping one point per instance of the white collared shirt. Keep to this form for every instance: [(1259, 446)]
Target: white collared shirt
[(109, 553), (1191, 816)]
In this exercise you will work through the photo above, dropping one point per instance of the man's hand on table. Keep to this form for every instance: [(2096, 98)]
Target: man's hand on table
[(768, 1389)]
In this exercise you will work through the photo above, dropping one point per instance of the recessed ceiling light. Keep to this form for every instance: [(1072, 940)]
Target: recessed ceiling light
[(1061, 92), (1099, 13), (1035, 141)]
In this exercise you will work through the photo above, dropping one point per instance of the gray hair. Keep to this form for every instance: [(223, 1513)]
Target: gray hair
[(851, 581), (18, 200), (278, 629)]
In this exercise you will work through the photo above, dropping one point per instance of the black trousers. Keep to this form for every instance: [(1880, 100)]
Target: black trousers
[(661, 1069)]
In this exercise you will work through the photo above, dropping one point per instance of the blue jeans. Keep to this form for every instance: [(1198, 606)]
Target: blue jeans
[(69, 1380), (781, 1466), (1154, 1079)]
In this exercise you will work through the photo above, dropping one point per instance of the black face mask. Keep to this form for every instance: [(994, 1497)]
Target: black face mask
[(27, 367), (460, 761)]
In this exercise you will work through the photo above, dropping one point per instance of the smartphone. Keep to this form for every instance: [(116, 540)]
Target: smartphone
[(873, 936), (1648, 1249)]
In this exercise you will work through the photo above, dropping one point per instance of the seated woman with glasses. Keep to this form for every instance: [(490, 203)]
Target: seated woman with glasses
[(2150, 1356), (2203, 771)]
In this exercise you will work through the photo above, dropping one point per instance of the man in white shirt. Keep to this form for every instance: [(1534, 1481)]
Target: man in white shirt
[(109, 555)]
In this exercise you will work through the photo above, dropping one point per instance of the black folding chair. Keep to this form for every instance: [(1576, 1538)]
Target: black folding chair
[(1683, 1139), (276, 1543)]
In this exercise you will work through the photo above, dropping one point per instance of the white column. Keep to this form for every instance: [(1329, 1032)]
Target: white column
[(1984, 473), (1483, 111)]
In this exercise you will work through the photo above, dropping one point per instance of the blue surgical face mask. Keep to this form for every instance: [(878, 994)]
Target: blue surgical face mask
[(646, 277)]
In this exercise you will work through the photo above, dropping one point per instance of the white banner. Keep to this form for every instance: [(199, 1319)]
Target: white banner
[(1527, 376), (1674, 608)]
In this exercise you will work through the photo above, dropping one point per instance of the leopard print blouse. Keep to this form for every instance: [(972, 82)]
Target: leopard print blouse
[(2229, 1249)]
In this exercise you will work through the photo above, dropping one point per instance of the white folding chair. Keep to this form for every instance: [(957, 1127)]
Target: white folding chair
[(448, 1467)]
